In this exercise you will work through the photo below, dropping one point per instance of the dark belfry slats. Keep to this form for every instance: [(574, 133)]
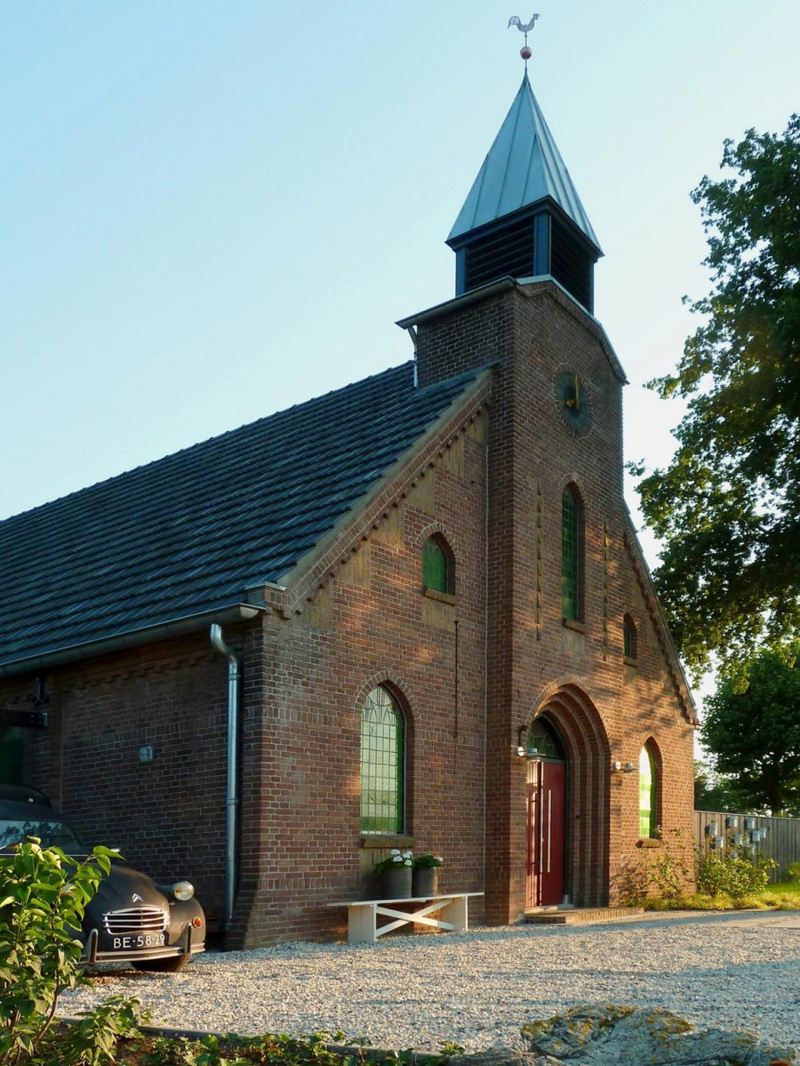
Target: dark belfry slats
[(570, 264), (509, 251), (503, 252)]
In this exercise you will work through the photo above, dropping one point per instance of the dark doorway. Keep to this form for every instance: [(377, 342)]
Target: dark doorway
[(546, 802)]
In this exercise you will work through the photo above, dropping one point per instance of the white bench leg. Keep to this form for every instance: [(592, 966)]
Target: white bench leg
[(457, 913), (362, 924)]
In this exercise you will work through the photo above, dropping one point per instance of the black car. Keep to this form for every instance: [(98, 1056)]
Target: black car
[(131, 918)]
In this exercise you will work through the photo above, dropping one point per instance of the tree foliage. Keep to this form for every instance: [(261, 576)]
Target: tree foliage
[(43, 894), (751, 729), (728, 505), (715, 793)]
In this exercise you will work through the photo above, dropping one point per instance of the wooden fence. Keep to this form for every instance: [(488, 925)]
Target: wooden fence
[(782, 842)]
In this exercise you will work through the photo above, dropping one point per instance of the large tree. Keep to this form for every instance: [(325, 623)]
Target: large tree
[(751, 728), (728, 505)]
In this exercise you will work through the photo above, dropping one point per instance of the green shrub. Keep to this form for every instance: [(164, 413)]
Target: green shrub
[(671, 869), (43, 894), (732, 872), (793, 870)]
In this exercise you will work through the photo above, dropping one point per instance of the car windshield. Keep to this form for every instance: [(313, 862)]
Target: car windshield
[(52, 833)]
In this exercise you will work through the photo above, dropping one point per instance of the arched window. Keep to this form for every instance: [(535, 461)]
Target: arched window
[(11, 756), (648, 792), (438, 565), (571, 555), (629, 649), (382, 764), (544, 741)]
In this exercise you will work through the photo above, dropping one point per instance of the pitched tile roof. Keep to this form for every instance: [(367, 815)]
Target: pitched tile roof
[(191, 532)]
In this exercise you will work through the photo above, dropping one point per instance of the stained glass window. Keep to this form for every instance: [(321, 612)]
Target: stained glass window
[(382, 764), (437, 566), (543, 740), (648, 793), (571, 537)]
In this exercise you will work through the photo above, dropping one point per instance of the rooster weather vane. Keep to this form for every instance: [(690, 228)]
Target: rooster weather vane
[(525, 28)]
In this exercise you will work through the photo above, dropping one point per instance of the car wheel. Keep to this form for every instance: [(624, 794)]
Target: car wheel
[(170, 965)]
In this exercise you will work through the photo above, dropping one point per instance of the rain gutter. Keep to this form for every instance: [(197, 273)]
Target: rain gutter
[(232, 771), (177, 627)]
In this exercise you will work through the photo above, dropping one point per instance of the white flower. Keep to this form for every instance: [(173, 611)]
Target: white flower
[(438, 858), (395, 851), (407, 854), (397, 858), (408, 862)]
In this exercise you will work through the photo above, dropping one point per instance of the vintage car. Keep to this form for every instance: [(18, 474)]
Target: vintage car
[(131, 918)]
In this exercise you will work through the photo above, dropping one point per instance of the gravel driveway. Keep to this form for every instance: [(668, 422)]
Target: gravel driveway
[(478, 988)]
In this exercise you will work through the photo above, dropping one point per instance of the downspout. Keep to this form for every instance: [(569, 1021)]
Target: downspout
[(231, 790)]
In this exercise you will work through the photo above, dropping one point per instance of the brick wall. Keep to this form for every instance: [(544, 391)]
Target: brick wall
[(467, 674), (371, 625), (604, 709)]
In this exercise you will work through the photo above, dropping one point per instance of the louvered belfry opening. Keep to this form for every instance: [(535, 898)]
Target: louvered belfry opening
[(533, 244), (503, 252), (571, 264)]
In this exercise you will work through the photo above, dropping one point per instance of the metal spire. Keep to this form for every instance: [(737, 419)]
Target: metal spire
[(525, 51)]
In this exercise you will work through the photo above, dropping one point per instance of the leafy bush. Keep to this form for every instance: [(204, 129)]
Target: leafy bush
[(733, 873), (793, 870), (671, 870), (43, 894)]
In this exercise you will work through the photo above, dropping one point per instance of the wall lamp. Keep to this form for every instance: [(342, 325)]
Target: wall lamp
[(618, 767)]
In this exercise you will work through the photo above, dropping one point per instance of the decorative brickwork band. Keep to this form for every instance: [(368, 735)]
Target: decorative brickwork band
[(606, 553), (538, 535)]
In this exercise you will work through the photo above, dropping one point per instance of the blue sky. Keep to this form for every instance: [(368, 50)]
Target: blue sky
[(210, 211)]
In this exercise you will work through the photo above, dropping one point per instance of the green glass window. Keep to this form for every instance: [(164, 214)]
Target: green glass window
[(544, 741), (571, 536), (648, 792), (628, 637), (11, 756), (437, 566), (382, 764)]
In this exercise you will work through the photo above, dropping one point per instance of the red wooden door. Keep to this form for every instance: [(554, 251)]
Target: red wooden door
[(546, 810)]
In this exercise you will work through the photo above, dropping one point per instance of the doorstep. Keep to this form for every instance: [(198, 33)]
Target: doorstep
[(579, 915)]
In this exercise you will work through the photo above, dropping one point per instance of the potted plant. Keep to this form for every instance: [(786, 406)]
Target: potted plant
[(396, 870), (426, 874)]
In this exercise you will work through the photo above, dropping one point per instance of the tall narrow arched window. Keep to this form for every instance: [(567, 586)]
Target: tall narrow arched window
[(382, 764), (11, 756), (438, 565), (571, 555), (648, 792), (629, 649)]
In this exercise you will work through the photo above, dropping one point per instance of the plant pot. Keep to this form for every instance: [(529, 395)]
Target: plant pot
[(397, 883), (426, 881)]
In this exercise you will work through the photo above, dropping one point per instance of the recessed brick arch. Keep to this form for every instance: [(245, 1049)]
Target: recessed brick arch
[(573, 714)]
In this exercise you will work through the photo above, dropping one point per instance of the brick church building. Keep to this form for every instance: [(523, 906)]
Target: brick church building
[(412, 612)]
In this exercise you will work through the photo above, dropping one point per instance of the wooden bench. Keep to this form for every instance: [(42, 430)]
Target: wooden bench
[(362, 914)]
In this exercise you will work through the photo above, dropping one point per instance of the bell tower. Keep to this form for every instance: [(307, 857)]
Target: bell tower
[(523, 217), (523, 312)]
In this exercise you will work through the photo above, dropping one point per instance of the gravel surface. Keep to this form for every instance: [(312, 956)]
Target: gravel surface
[(478, 988)]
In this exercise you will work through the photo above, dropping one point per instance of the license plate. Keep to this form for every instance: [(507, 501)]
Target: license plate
[(139, 940)]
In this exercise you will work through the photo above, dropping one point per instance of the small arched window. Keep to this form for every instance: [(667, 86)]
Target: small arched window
[(572, 555), (382, 764), (648, 792), (438, 565), (629, 644)]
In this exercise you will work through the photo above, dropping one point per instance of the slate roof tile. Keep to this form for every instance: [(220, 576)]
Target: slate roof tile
[(191, 532)]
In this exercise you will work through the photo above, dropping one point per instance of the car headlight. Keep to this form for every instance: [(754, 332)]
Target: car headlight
[(183, 890)]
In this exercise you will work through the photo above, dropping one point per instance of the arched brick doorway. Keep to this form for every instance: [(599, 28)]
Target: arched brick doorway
[(572, 828)]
